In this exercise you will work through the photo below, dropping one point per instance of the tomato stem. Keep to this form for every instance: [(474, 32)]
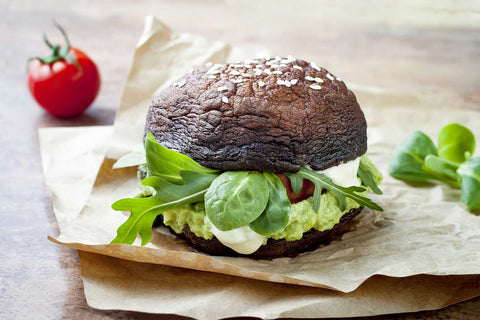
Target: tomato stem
[(57, 52), (62, 31), (45, 39)]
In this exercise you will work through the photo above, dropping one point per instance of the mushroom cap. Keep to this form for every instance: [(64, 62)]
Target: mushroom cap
[(260, 115)]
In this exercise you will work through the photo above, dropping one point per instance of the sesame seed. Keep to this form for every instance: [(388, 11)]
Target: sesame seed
[(222, 89), (338, 79), (280, 82), (225, 99), (251, 62), (276, 72), (180, 83), (294, 81), (275, 66), (319, 80), (214, 69), (248, 66), (266, 57), (298, 67), (261, 83), (208, 64), (287, 83), (246, 75), (329, 76), (315, 87), (236, 65), (258, 72), (314, 66), (237, 80), (212, 77), (269, 63), (267, 71), (235, 72), (289, 57), (278, 58), (309, 78)]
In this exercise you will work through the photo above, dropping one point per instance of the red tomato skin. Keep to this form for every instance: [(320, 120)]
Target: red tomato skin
[(306, 192), (61, 88)]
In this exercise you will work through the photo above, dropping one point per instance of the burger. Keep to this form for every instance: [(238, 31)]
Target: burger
[(261, 158)]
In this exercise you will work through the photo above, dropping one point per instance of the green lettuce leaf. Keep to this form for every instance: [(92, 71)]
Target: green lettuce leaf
[(167, 164), (456, 143), (275, 216), (367, 177), (167, 196), (469, 178), (236, 198)]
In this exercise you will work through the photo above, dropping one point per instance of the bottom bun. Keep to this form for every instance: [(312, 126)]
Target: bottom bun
[(311, 240)]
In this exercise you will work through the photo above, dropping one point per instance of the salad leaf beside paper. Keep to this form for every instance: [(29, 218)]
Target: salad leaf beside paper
[(232, 199), (418, 159)]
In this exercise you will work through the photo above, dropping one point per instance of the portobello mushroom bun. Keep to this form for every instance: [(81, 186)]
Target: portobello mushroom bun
[(263, 158)]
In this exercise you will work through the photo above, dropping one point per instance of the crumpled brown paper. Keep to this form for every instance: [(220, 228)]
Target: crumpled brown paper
[(422, 231)]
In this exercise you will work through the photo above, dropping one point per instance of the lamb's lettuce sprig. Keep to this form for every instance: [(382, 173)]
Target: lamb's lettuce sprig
[(232, 199), (418, 159)]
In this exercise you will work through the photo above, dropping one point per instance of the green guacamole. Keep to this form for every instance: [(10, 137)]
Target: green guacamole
[(302, 216)]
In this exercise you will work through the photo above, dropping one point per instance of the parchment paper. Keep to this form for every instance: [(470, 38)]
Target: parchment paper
[(112, 283), (422, 231)]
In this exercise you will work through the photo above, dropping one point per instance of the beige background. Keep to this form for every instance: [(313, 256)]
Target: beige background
[(423, 47)]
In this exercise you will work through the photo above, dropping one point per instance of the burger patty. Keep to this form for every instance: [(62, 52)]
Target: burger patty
[(261, 115), (311, 240)]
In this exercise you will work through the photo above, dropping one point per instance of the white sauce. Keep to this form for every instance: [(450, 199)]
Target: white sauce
[(242, 240), (245, 241), (345, 174)]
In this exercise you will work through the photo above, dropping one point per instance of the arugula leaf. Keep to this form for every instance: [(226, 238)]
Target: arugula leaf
[(456, 143), (167, 164), (296, 182), (236, 198), (167, 196), (469, 178), (131, 159), (321, 181), (275, 216), (409, 157), (367, 177)]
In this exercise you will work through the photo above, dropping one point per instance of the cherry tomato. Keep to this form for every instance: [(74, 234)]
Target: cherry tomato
[(306, 192), (65, 82)]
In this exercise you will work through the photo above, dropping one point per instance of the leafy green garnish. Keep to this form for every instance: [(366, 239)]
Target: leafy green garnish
[(321, 181), (446, 168), (275, 216), (167, 197), (456, 143), (367, 177), (469, 178), (131, 159), (417, 159), (236, 198), (167, 164), (232, 199), (409, 158)]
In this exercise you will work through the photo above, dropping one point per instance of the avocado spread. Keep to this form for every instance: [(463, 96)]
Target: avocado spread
[(302, 216)]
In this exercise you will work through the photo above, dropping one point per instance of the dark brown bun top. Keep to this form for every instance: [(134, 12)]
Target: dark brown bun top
[(264, 115)]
